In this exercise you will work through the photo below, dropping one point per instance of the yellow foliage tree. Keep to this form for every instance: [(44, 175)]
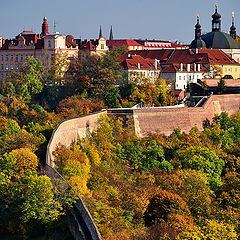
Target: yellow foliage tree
[(26, 160)]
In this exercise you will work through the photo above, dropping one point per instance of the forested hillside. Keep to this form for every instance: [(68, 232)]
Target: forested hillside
[(185, 186)]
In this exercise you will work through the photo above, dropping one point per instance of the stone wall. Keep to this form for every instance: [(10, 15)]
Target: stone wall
[(165, 120), (146, 120), (70, 131)]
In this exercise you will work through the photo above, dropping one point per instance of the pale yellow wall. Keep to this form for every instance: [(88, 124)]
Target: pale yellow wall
[(233, 70), (102, 46), (135, 47)]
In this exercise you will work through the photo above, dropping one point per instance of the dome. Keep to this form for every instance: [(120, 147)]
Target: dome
[(219, 40), (216, 15), (198, 43)]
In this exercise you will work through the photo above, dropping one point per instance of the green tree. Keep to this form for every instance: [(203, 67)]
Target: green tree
[(27, 82), (221, 86), (205, 160)]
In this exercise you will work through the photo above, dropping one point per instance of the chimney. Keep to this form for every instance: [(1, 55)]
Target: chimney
[(188, 67), (155, 63), (138, 65), (195, 67), (199, 67), (1, 42), (181, 67)]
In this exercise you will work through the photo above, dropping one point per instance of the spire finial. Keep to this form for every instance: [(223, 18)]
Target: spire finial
[(216, 5), (111, 34), (100, 32), (233, 15), (198, 17)]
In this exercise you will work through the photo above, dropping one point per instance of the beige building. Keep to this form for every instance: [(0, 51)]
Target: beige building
[(13, 52)]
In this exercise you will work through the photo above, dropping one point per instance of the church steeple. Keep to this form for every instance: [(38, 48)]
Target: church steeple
[(44, 28), (111, 34), (198, 30), (233, 32), (198, 42), (216, 20), (100, 32)]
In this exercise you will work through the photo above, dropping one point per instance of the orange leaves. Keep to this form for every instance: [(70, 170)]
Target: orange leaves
[(74, 107), (162, 206)]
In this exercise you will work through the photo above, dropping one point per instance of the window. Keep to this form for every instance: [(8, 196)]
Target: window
[(49, 43), (6, 67), (16, 58), (21, 44), (11, 58), (179, 77), (11, 66), (2, 66), (6, 58), (21, 58), (16, 66), (2, 57)]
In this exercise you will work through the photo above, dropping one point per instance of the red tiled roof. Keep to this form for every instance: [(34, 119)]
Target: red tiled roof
[(170, 68), (122, 42), (228, 82), (217, 56), (171, 55), (138, 62), (88, 46)]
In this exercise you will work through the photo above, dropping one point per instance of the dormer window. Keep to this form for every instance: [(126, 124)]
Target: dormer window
[(21, 44)]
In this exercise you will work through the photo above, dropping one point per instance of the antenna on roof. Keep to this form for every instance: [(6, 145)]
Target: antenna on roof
[(54, 26)]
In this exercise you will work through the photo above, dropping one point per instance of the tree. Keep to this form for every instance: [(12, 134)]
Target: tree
[(163, 206), (76, 106), (205, 160), (26, 160), (27, 82), (112, 98), (227, 76), (221, 86), (195, 192), (213, 230)]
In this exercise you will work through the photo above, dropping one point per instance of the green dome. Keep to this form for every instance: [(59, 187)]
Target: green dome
[(220, 40)]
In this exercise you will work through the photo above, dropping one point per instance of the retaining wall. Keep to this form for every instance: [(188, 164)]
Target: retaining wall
[(70, 131)]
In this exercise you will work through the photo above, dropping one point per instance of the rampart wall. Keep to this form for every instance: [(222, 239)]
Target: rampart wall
[(146, 120), (70, 131), (165, 120)]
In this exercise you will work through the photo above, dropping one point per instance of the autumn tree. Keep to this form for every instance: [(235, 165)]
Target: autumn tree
[(27, 82)]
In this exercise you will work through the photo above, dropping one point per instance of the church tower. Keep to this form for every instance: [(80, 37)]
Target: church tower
[(216, 20), (44, 28), (233, 32), (198, 42)]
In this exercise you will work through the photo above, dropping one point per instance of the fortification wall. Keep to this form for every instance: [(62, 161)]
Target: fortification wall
[(165, 120), (70, 131)]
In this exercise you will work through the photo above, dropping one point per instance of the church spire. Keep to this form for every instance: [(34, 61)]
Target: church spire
[(44, 28), (216, 20), (111, 34), (100, 32), (198, 30), (233, 32)]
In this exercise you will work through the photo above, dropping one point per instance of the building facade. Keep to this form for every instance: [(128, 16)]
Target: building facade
[(44, 46)]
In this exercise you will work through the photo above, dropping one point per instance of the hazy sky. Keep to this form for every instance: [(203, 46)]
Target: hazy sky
[(152, 19)]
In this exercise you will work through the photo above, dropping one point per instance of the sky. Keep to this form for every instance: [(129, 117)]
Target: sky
[(172, 20)]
